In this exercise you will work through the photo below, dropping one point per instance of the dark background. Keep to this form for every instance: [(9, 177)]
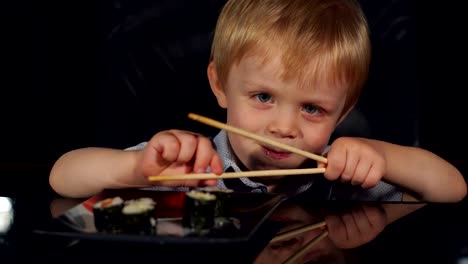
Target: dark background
[(112, 73)]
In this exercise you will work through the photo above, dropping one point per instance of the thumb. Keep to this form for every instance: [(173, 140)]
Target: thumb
[(323, 164)]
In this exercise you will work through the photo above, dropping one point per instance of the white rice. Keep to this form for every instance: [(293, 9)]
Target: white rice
[(138, 206), (201, 195), (216, 189)]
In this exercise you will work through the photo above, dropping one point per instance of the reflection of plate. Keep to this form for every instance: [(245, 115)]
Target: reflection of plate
[(247, 212)]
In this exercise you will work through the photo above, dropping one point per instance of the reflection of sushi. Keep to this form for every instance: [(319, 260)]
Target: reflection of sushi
[(199, 210), (107, 214), (137, 216)]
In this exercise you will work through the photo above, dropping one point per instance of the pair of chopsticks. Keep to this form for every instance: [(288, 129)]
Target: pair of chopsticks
[(259, 173), (293, 258), (297, 231)]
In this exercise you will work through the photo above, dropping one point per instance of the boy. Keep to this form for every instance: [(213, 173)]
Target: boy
[(290, 71)]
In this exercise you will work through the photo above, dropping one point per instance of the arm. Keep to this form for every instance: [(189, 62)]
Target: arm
[(85, 172), (425, 174)]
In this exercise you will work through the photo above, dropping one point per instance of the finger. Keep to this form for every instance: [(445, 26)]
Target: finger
[(336, 163), (360, 174), (196, 148), (204, 157), (350, 167), (376, 216), (336, 228), (321, 164), (167, 147), (177, 170), (216, 166), (372, 178), (350, 225), (363, 224), (204, 154), (187, 183), (188, 146), (208, 183)]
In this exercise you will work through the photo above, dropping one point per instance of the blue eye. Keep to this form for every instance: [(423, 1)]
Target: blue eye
[(263, 97), (310, 109)]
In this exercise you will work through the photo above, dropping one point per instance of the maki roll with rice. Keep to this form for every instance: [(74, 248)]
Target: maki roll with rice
[(107, 214), (222, 196), (138, 216), (199, 210), (224, 223)]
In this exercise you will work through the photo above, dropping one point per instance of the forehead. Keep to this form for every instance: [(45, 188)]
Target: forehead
[(315, 72)]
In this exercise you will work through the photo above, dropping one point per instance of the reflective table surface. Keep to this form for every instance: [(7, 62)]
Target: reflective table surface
[(269, 229)]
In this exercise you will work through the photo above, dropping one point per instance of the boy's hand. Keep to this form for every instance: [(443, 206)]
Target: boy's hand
[(356, 228), (179, 152), (356, 161)]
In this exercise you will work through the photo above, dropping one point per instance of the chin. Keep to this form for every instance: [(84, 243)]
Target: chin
[(269, 167), (279, 166), (264, 163)]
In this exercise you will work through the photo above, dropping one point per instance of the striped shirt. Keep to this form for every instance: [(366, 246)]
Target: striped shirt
[(328, 190)]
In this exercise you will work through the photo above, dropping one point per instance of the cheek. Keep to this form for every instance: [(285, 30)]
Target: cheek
[(317, 139), (241, 148), (244, 118), (236, 143)]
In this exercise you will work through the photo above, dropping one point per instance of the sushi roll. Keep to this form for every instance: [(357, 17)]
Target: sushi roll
[(224, 222), (138, 216), (199, 210), (107, 214), (222, 196)]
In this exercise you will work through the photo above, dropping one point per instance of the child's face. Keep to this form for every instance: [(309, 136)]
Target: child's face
[(300, 114)]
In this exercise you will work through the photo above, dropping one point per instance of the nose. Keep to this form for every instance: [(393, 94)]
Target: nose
[(283, 125)]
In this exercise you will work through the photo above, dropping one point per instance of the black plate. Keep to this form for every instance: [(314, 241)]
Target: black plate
[(248, 212)]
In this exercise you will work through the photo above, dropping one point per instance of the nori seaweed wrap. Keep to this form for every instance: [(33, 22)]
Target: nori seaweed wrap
[(199, 210), (222, 196), (225, 223), (107, 215), (138, 216)]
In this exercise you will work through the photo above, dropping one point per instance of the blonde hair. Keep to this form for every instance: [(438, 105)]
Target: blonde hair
[(331, 33)]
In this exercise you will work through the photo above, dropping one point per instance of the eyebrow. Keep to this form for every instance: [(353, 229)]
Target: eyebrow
[(308, 99)]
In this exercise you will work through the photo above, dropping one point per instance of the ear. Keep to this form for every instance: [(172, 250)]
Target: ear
[(218, 91)]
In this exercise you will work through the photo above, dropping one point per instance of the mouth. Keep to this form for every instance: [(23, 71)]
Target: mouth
[(275, 153)]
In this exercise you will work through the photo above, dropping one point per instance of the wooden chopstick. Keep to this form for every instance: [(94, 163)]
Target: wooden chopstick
[(214, 123), (297, 231), (293, 258), (227, 175)]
